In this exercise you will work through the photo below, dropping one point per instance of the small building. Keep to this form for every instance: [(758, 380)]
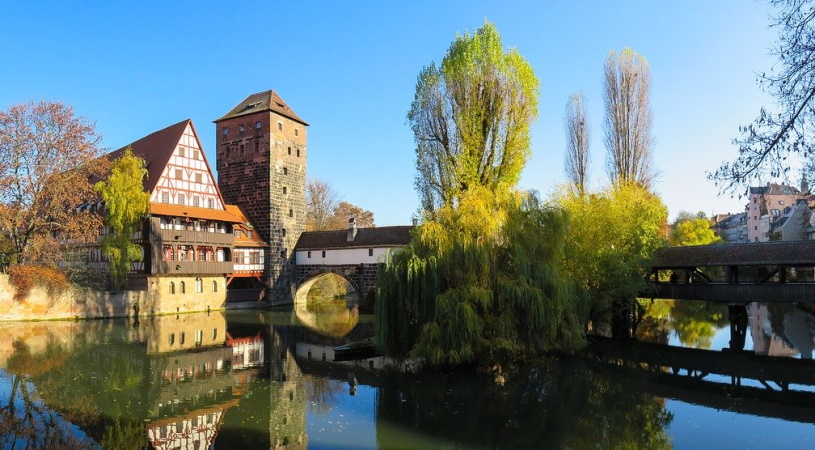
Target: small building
[(351, 246)]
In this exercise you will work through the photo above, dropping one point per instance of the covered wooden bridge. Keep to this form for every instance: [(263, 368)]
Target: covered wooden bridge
[(781, 271)]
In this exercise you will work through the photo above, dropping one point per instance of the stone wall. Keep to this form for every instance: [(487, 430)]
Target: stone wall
[(361, 276), (79, 303)]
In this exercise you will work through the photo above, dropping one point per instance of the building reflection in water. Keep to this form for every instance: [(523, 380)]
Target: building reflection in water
[(782, 330)]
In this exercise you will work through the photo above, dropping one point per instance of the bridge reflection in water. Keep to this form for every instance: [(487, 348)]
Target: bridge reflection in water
[(775, 378)]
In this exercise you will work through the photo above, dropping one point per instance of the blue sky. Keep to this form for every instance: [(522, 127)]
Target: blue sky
[(349, 69)]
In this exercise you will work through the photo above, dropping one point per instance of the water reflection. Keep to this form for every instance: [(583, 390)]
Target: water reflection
[(771, 329), (251, 380)]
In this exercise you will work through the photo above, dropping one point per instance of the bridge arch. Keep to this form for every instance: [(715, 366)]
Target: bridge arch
[(319, 279)]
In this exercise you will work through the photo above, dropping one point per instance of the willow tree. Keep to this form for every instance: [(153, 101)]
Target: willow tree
[(470, 118), (126, 203), (628, 120)]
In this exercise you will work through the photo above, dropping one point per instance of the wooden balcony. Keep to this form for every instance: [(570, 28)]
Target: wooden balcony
[(196, 237)]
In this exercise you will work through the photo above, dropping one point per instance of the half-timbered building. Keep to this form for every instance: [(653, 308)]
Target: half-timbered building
[(188, 236)]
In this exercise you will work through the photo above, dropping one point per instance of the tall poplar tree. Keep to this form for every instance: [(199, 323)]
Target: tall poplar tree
[(126, 203), (577, 142), (628, 121), (470, 118)]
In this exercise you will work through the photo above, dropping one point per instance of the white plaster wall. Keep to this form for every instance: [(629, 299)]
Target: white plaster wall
[(343, 256)]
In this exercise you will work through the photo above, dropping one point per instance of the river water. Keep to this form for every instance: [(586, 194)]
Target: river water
[(267, 379)]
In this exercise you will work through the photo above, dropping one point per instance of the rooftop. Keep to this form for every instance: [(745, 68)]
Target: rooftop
[(260, 102), (788, 253), (398, 236)]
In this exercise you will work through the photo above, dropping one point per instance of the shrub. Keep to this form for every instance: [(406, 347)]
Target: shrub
[(25, 277)]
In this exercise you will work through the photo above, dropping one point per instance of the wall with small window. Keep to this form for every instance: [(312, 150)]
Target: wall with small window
[(343, 256)]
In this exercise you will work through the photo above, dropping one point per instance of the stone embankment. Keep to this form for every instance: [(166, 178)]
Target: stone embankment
[(81, 303)]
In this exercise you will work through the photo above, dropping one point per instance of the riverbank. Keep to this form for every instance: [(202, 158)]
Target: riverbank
[(77, 302)]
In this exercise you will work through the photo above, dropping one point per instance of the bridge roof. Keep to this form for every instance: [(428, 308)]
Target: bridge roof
[(398, 236), (785, 253)]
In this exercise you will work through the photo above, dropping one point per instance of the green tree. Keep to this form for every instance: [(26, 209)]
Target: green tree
[(482, 282), (470, 118), (126, 203), (693, 232), (612, 238)]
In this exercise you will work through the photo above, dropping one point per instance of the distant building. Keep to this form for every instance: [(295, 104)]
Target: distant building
[(766, 203), (732, 228)]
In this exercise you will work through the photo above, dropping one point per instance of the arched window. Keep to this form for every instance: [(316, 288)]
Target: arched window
[(172, 288), (183, 288), (172, 338), (199, 285), (215, 286)]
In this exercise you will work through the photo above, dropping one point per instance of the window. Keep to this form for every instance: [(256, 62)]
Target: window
[(285, 171), (202, 255), (308, 254), (249, 233), (196, 201), (242, 152), (199, 337), (285, 191), (255, 257), (283, 253), (289, 150), (280, 126), (240, 129), (178, 174), (181, 151), (298, 152), (182, 336), (165, 197), (199, 178), (183, 289), (323, 253), (295, 131), (172, 338), (291, 212), (237, 233), (214, 289), (370, 252), (225, 131), (257, 145), (238, 257), (781, 202), (172, 287), (210, 203), (199, 285), (258, 125), (283, 230), (181, 199)]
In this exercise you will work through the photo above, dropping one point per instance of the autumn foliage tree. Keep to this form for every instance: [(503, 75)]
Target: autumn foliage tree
[(324, 211), (126, 203), (47, 156)]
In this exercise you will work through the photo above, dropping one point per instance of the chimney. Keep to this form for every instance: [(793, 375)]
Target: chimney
[(352, 229)]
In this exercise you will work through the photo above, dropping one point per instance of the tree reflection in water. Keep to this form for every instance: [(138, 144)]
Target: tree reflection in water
[(554, 404), (695, 323), (25, 421)]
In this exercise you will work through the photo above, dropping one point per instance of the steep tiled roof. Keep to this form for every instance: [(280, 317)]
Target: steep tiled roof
[(242, 240), (788, 253), (156, 150), (262, 101), (775, 189), (398, 236), (193, 212)]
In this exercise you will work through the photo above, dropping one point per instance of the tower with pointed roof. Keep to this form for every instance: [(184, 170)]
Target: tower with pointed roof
[(261, 162)]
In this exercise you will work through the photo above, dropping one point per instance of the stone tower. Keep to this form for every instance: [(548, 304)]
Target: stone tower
[(261, 161)]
